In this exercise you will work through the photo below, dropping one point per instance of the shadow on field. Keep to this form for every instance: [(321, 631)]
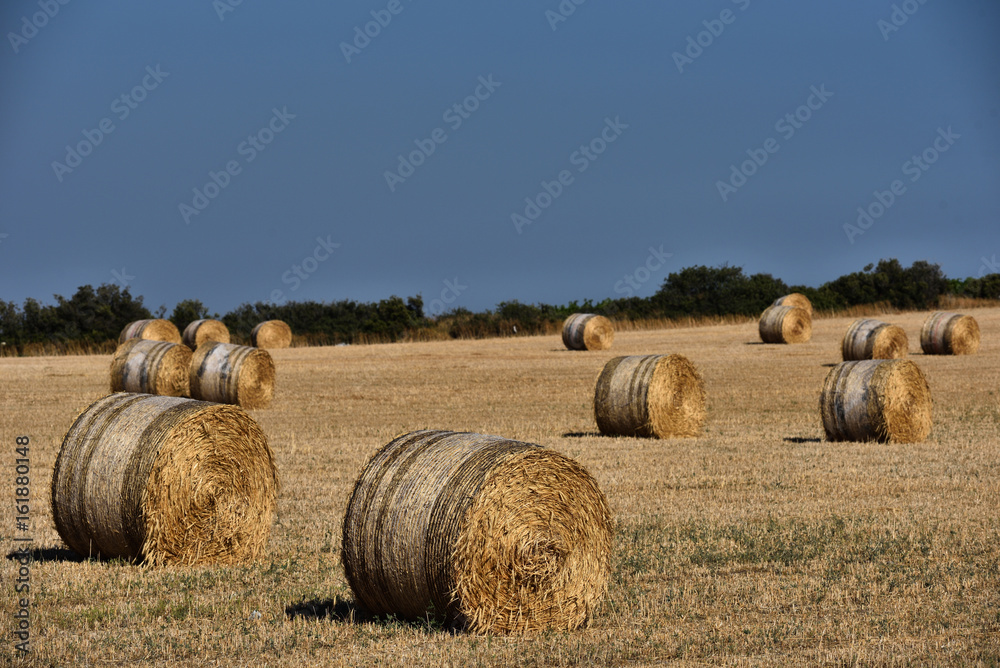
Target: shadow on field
[(347, 612), (800, 439), (49, 554), (581, 434), (831, 364)]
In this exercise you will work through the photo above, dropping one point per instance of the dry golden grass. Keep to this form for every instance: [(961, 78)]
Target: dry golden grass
[(757, 543)]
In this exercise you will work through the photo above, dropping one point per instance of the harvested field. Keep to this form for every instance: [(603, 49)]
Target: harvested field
[(756, 543)]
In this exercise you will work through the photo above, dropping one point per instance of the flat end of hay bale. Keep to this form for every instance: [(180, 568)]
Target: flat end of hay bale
[(203, 331), (271, 334), (795, 299), (154, 330)]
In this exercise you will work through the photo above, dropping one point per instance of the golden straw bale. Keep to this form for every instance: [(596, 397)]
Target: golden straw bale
[(795, 299), (586, 331), (152, 367), (154, 330), (201, 331), (949, 334), (785, 324), (232, 374), (868, 339), (271, 334)]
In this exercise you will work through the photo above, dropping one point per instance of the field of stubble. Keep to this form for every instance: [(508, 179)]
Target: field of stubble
[(757, 543)]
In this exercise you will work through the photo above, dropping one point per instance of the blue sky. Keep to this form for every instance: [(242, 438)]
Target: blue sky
[(730, 131)]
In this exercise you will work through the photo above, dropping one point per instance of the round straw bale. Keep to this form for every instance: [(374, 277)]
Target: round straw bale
[(155, 330), (795, 299), (868, 339), (232, 374), (586, 331), (152, 367), (271, 334), (650, 395), (785, 324), (949, 334), (200, 331), (484, 533), (876, 400), (166, 480)]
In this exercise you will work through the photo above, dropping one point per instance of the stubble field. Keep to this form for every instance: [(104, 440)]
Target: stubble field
[(757, 543)]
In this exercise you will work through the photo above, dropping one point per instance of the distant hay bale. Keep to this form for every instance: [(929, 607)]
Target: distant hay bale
[(232, 374), (868, 339), (785, 324), (484, 533), (154, 330), (795, 299), (876, 400), (201, 331), (586, 331), (949, 334), (271, 334), (650, 395), (165, 480), (151, 367)]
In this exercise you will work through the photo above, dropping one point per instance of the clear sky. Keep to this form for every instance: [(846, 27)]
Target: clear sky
[(540, 151)]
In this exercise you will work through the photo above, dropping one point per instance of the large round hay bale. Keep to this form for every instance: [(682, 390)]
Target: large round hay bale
[(151, 367), (949, 334), (166, 480), (586, 331), (795, 299), (202, 331), (232, 374), (650, 395), (785, 324), (876, 400), (271, 334), (868, 339), (154, 330), (485, 533)]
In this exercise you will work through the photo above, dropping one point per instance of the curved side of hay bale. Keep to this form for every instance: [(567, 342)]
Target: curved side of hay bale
[(202, 331), (876, 400), (867, 339), (587, 331), (785, 324), (166, 480), (650, 395), (949, 334), (151, 367), (494, 535), (271, 334), (795, 299), (232, 374), (154, 330)]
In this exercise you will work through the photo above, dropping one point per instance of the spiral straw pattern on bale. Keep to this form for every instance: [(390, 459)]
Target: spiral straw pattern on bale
[(876, 400), (795, 299), (485, 533), (151, 367), (203, 331), (949, 334), (271, 334), (166, 480), (868, 339), (232, 374), (650, 395), (785, 324), (586, 331), (154, 330)]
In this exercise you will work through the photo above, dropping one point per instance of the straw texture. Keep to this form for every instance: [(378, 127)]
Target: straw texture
[(949, 334), (876, 400), (586, 331), (154, 330), (785, 324), (795, 299), (650, 395), (271, 334), (232, 374), (868, 339), (166, 480), (203, 331), (152, 367), (485, 533)]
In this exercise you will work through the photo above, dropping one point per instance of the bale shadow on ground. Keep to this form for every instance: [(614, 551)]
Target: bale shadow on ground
[(49, 554), (801, 439), (347, 611), (581, 434)]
